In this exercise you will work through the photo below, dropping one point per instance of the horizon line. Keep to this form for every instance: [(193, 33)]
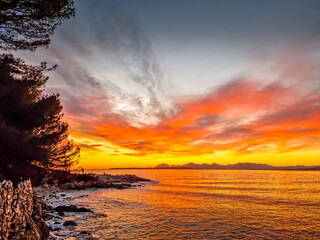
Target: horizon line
[(181, 166)]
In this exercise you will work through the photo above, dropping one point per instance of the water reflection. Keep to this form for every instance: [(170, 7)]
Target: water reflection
[(209, 204)]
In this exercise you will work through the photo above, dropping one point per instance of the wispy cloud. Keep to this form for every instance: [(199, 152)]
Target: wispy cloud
[(113, 89), (110, 69), (245, 115)]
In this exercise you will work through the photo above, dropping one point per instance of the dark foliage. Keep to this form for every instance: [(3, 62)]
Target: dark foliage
[(31, 126), (85, 178), (22, 172), (28, 24), (60, 177)]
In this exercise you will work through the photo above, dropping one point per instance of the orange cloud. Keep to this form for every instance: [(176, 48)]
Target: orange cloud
[(243, 116)]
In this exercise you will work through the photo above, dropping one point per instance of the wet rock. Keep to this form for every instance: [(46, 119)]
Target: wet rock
[(84, 181), (48, 217), (71, 208), (84, 233), (47, 208), (70, 223), (122, 185), (117, 186), (101, 215), (44, 229)]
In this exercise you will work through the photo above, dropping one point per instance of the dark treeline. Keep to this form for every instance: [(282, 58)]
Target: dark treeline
[(33, 136)]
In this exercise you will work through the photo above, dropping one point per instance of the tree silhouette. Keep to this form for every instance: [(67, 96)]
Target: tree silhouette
[(28, 24), (31, 126)]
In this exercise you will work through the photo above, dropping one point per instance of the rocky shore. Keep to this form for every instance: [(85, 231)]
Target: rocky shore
[(45, 212)]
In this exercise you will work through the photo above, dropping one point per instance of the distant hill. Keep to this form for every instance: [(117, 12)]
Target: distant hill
[(240, 166)]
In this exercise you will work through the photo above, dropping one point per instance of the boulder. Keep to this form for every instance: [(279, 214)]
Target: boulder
[(71, 208), (70, 223)]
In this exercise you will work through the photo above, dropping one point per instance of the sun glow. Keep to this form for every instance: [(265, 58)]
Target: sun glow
[(243, 120)]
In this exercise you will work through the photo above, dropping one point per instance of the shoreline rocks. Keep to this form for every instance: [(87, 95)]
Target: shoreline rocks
[(71, 208), (70, 223), (103, 181), (59, 196), (26, 212), (99, 181), (72, 181)]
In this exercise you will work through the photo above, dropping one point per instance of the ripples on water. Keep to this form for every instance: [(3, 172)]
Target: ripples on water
[(208, 204)]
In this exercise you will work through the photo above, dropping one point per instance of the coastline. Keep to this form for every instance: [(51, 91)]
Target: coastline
[(47, 209), (178, 200), (182, 204), (62, 216)]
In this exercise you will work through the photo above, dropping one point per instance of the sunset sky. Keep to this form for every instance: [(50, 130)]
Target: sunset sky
[(149, 82)]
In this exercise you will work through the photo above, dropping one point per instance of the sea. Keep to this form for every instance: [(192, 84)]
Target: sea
[(205, 204)]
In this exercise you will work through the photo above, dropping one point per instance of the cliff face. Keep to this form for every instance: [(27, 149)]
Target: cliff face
[(20, 213)]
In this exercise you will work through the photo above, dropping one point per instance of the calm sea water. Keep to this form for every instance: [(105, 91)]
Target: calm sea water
[(207, 204)]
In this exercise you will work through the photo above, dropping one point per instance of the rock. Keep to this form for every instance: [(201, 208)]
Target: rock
[(83, 181), (48, 217), (21, 213), (70, 223), (44, 229), (71, 208)]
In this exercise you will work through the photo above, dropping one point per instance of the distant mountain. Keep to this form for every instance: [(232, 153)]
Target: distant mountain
[(240, 166)]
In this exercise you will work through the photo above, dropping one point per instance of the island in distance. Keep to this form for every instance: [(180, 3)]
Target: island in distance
[(240, 166)]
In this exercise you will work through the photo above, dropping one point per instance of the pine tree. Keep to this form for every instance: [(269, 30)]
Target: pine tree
[(31, 126), (28, 24)]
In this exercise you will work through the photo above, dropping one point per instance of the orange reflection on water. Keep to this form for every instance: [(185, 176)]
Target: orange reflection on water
[(209, 204)]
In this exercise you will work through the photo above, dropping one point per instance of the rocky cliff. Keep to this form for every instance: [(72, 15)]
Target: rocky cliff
[(20, 213)]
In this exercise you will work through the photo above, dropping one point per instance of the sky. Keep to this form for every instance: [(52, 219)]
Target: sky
[(149, 82)]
